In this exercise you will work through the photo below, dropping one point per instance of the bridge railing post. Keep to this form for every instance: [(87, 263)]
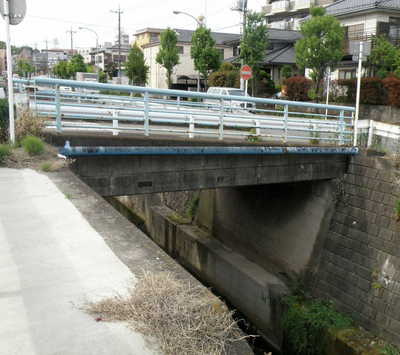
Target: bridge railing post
[(191, 126), (58, 110), (178, 100), (342, 127), (146, 114), (115, 123), (285, 123), (221, 119)]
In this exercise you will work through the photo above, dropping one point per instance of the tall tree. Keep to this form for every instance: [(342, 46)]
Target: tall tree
[(384, 57), (168, 56), (136, 67), (25, 68), (206, 57), (254, 43), (321, 46), (77, 64), (62, 70)]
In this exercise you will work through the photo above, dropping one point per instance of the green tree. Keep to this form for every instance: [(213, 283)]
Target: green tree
[(102, 77), (62, 70), (111, 69), (321, 46), (77, 64), (286, 72), (168, 56), (254, 43), (384, 57), (136, 67), (203, 52), (25, 68)]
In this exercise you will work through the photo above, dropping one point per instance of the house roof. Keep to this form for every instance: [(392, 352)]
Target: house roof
[(185, 36), (345, 7), (282, 55)]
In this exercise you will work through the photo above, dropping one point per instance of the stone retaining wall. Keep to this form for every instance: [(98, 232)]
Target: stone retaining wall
[(360, 262)]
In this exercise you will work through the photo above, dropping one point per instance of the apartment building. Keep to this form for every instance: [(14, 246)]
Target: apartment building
[(288, 14), (185, 76)]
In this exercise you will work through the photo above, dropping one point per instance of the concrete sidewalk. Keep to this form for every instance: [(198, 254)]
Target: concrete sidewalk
[(51, 262)]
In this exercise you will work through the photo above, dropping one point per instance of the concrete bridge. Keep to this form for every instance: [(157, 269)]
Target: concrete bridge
[(169, 140)]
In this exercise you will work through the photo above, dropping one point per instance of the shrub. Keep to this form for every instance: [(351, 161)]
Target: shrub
[(372, 90), (307, 323), (5, 151), (226, 76), (33, 145), (297, 88), (392, 86), (265, 85), (28, 124), (3, 120)]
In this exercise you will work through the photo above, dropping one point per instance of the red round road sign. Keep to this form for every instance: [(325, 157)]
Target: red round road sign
[(246, 72)]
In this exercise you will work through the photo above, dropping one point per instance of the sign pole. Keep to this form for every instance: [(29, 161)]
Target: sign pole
[(358, 94), (246, 87), (9, 72)]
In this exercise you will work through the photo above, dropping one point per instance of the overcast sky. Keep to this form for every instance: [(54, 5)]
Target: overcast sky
[(50, 19)]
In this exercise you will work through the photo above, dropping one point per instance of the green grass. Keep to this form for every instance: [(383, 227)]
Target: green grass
[(390, 350), (33, 145), (397, 209), (46, 167), (5, 151)]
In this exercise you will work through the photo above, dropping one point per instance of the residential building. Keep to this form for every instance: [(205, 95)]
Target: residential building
[(288, 14), (184, 76), (363, 20), (280, 52), (104, 56), (54, 56)]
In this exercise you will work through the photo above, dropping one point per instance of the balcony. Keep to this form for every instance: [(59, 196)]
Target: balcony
[(280, 6), (302, 4)]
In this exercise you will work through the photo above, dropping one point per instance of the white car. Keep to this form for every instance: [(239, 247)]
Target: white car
[(229, 104)]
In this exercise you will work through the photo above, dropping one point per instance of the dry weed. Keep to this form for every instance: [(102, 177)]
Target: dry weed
[(182, 317), (28, 124)]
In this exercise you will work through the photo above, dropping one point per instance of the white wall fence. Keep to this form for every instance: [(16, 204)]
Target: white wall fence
[(379, 135)]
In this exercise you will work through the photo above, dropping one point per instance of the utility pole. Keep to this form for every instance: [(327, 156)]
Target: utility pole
[(119, 12), (47, 57), (242, 7), (71, 32)]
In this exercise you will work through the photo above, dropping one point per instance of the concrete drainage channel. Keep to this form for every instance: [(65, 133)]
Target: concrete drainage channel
[(242, 284)]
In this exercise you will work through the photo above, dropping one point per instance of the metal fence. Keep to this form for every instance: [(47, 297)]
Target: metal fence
[(74, 105)]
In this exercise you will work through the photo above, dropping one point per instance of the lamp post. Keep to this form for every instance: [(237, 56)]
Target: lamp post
[(93, 31), (97, 43), (200, 23)]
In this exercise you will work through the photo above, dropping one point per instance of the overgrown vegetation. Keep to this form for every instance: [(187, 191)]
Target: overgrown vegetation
[(3, 120), (5, 151), (184, 318), (33, 145), (307, 322), (28, 124), (226, 76)]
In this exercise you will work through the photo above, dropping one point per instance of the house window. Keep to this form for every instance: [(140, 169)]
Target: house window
[(347, 74), (180, 49), (394, 28), (153, 37), (355, 32)]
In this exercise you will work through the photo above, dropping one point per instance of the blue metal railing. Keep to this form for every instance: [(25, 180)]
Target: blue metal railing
[(75, 105)]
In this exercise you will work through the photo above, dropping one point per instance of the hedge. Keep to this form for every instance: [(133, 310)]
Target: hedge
[(372, 90), (297, 88), (392, 86)]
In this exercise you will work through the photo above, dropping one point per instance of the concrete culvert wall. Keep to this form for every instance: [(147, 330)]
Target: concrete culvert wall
[(276, 226)]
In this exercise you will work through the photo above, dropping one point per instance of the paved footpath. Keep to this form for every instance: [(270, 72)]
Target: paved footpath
[(51, 262)]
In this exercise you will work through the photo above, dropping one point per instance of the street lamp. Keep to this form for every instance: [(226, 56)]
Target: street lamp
[(97, 36), (200, 23)]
